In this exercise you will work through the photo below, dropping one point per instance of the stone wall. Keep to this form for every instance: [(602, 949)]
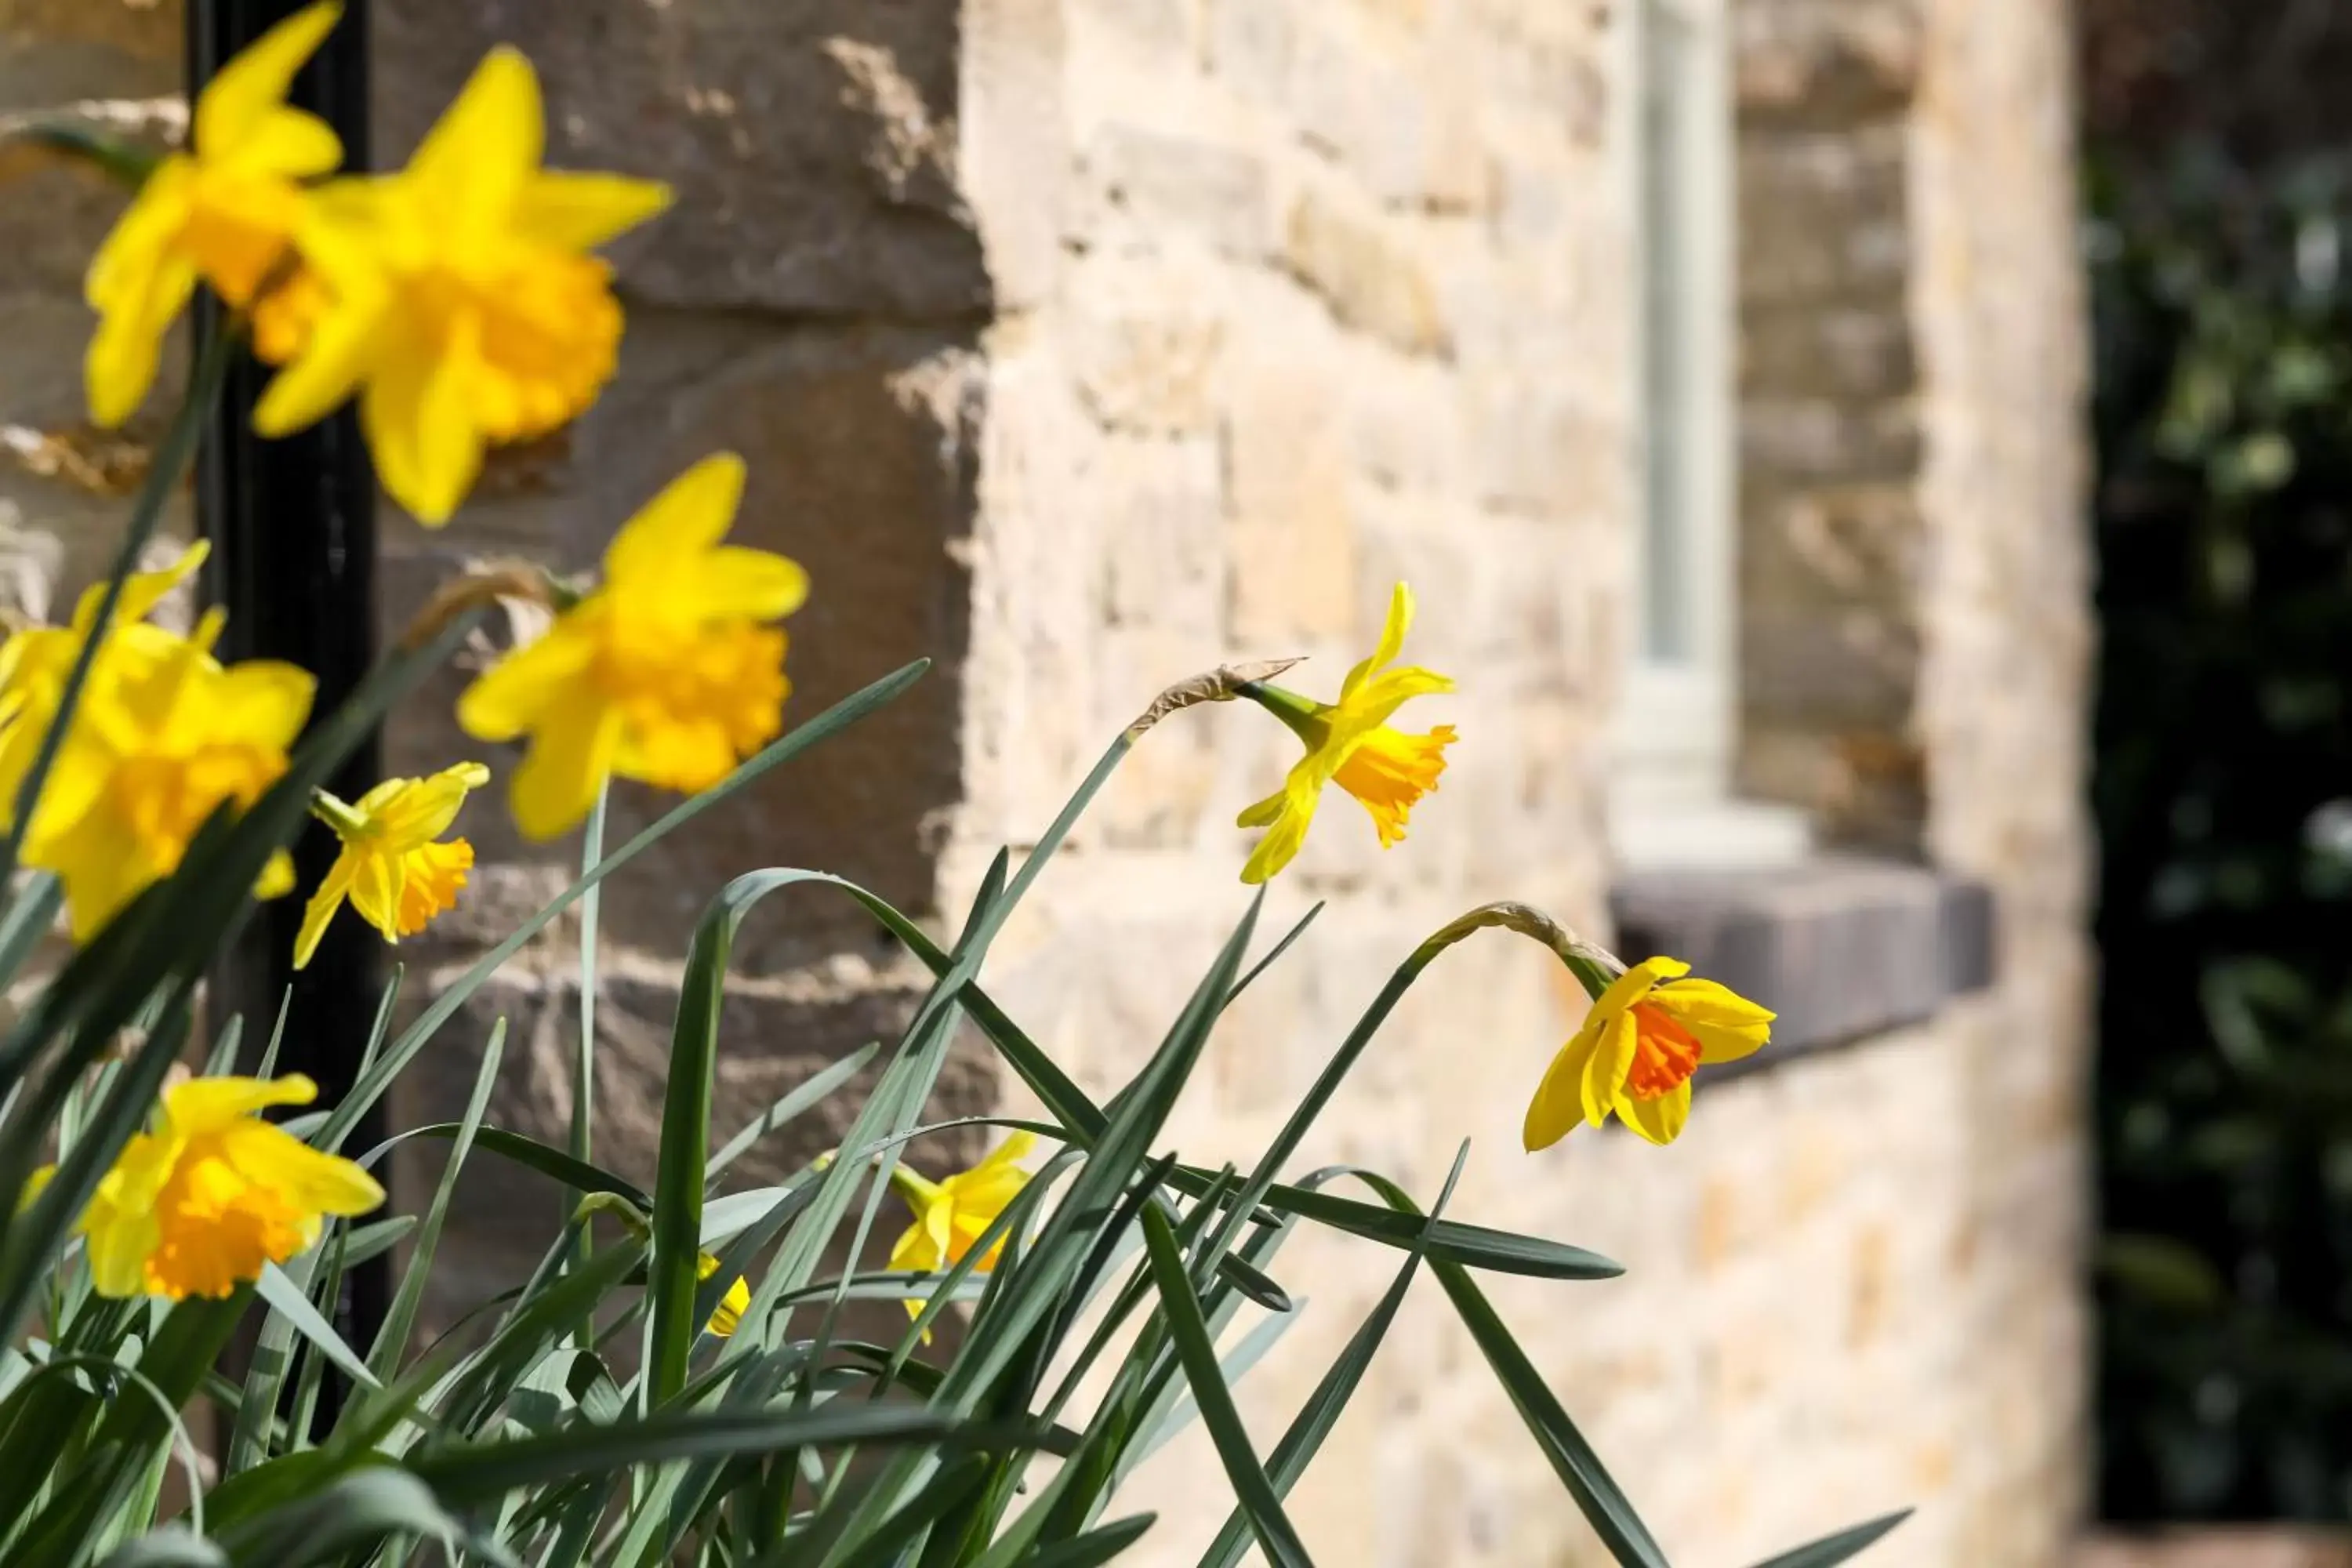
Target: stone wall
[(1081, 344)]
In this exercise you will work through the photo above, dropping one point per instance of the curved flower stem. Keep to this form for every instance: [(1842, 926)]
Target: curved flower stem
[(1593, 966), (171, 459), (1222, 684), (483, 583)]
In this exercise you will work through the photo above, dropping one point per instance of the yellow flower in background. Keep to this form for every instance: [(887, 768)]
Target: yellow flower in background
[(223, 212), (951, 1215), (394, 869), (35, 663), (665, 674), (1351, 743), (165, 734), (731, 1306), (457, 298), (196, 1206), (1644, 1037)]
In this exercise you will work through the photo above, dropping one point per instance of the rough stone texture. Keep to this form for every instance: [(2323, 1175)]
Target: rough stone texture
[(1083, 344)]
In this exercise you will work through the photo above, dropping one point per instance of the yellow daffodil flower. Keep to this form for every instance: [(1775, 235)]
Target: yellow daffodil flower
[(1349, 743), (456, 296), (36, 662), (224, 211), (163, 735), (951, 1215), (1643, 1039), (196, 1206), (392, 866), (731, 1306), (665, 674)]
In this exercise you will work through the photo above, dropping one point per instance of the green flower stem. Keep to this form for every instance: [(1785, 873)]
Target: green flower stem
[(1304, 715), (336, 814)]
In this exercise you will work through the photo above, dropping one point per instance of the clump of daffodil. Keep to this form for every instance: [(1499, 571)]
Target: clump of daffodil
[(1647, 1033), (457, 298), (951, 1215), (163, 735), (197, 1204), (393, 867), (731, 1306), (666, 673), (224, 212), (1351, 743)]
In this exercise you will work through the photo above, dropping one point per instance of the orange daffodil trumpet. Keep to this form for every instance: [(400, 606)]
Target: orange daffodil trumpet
[(951, 1215), (455, 298), (1350, 742), (666, 673), (196, 1205), (394, 868), (224, 212), (1647, 1033)]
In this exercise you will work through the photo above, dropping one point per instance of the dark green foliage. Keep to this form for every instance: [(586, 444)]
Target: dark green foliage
[(2224, 796)]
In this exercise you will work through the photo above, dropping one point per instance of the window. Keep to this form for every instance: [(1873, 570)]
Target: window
[(1675, 732)]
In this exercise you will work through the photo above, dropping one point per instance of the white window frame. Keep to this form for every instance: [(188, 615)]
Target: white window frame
[(1671, 791)]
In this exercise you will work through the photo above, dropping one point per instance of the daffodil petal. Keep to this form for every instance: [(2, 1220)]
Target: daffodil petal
[(515, 694), (1392, 643), (205, 1105), (1557, 1106), (289, 143), (735, 583), (480, 155), (245, 92), (1660, 1120), (333, 888), (581, 212), (299, 1175), (1284, 839), (424, 809), (1605, 1070), (571, 756), (375, 892), (691, 514)]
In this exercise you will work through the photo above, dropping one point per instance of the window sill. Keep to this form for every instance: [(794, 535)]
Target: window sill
[(1842, 948)]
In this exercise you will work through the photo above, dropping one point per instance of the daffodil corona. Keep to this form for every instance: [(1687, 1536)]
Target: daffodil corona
[(1351, 743), (394, 868), (457, 297), (1647, 1033), (224, 212), (195, 1205), (951, 1215), (666, 673)]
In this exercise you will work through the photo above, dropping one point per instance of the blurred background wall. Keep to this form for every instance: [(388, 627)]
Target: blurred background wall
[(1714, 371)]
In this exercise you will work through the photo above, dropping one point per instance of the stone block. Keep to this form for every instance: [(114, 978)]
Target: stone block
[(811, 143), (1148, 189), (1366, 273), (1148, 359), (1161, 505), (1291, 548)]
